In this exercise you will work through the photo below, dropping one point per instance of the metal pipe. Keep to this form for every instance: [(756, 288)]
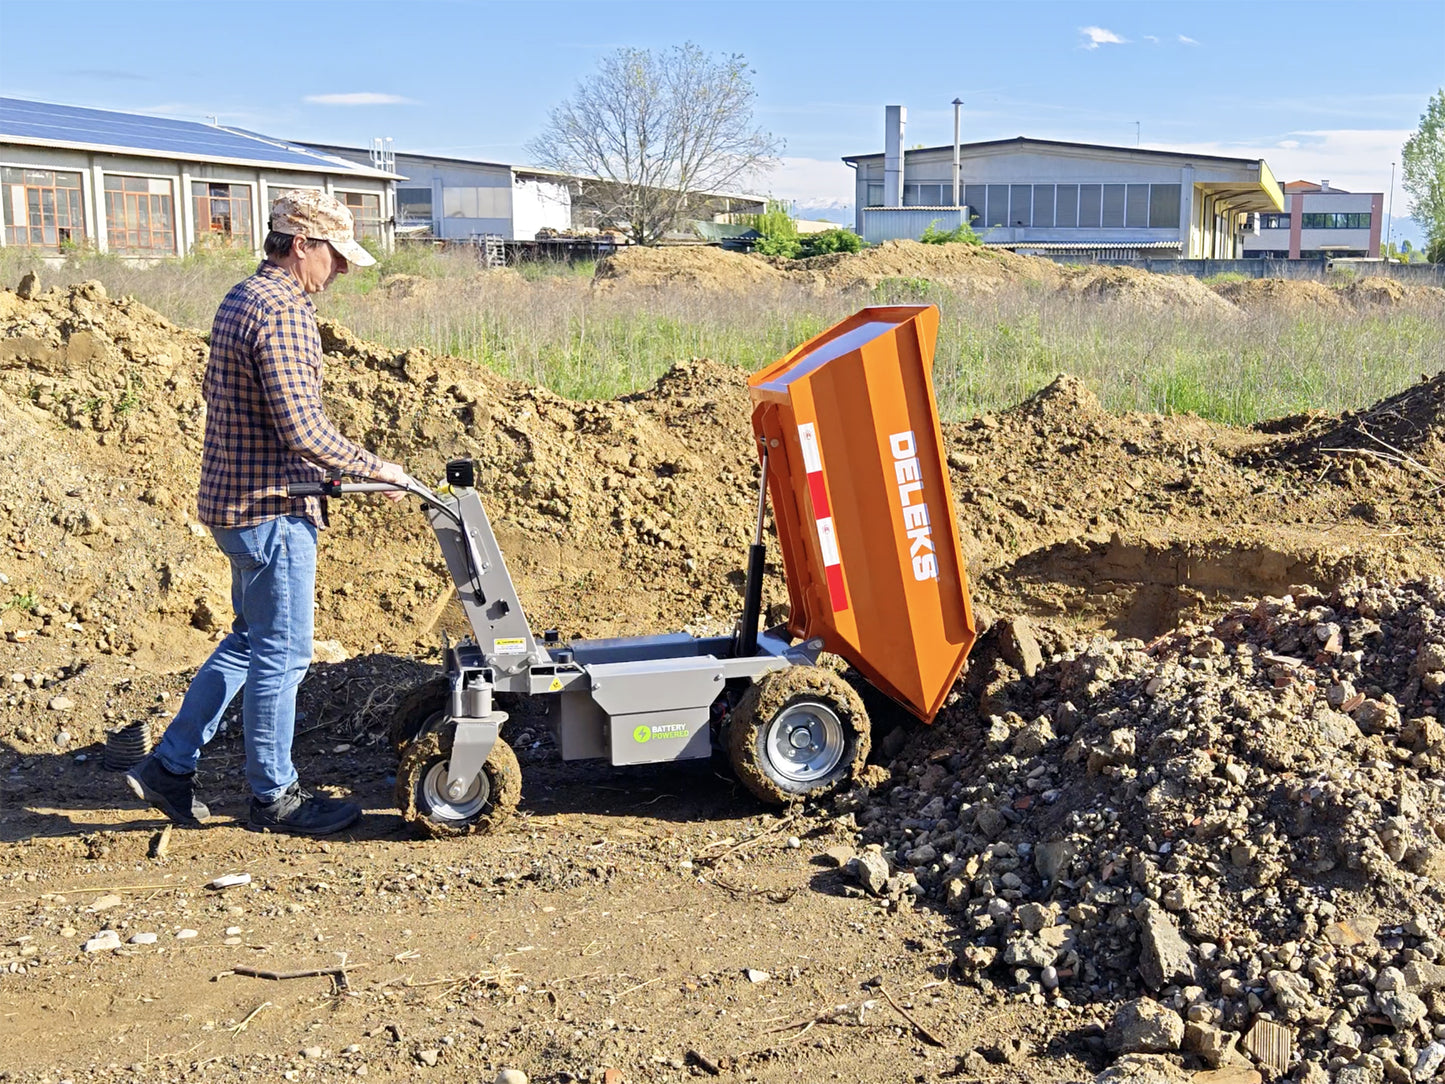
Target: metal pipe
[(753, 592), (957, 147)]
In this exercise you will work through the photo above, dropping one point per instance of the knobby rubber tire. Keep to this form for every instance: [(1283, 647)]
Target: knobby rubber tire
[(761, 703), (504, 776), (417, 708)]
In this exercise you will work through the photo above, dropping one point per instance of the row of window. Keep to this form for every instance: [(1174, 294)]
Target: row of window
[(42, 209), (1070, 206), (1326, 220)]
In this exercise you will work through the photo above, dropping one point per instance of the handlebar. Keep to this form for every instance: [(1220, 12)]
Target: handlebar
[(335, 487)]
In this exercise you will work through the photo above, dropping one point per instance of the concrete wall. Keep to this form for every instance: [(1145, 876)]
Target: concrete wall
[(1316, 270), (264, 184)]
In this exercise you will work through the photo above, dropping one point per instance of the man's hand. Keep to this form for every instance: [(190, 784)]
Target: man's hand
[(397, 476)]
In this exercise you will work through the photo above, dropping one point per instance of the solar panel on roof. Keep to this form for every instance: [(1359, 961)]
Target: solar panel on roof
[(133, 131)]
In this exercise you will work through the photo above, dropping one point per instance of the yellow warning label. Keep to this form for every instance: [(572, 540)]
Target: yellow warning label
[(556, 685), (510, 646)]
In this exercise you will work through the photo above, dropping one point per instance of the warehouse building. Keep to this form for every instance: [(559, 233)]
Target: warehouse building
[(151, 187), (1321, 222), (460, 199), (1047, 197)]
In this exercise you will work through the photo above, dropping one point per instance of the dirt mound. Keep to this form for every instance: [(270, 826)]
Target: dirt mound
[(1242, 816), (1140, 287), (1255, 294), (970, 266), (1405, 431), (700, 267)]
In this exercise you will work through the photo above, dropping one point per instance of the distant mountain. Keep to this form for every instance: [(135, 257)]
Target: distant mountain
[(830, 211)]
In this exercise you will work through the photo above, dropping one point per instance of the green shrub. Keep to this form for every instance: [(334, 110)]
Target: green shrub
[(962, 235), (839, 240), (788, 247)]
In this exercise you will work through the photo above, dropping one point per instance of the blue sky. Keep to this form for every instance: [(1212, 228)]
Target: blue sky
[(1320, 90)]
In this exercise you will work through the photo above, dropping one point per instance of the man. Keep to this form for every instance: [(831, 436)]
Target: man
[(265, 428)]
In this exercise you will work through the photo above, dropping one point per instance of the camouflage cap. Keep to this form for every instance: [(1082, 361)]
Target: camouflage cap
[(305, 212)]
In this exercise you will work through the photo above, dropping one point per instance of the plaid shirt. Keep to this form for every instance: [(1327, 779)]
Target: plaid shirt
[(265, 426)]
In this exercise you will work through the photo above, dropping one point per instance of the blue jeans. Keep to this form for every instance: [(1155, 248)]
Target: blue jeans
[(273, 592)]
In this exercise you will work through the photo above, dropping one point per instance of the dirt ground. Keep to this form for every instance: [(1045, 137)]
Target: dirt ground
[(657, 924)]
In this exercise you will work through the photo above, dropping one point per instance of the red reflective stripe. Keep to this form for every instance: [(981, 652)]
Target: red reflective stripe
[(819, 493), (836, 590)]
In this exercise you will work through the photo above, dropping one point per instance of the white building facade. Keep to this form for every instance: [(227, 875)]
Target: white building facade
[(1320, 222), (1054, 198), (457, 199), (150, 187)]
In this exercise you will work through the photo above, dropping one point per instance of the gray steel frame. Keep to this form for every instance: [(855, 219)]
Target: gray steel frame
[(633, 700)]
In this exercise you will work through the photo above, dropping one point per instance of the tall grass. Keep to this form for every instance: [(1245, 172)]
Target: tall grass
[(551, 326)]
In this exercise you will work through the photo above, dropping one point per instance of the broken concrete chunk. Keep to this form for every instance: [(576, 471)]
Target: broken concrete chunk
[(1164, 956)]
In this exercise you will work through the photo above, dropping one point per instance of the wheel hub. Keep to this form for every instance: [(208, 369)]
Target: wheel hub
[(456, 802), (805, 742)]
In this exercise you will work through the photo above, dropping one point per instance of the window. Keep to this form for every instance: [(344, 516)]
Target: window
[(223, 213), (1021, 205), (365, 208), (974, 196), (1067, 213), (997, 214), (1089, 196), (1335, 220), (875, 197), (1113, 206), (476, 202), (42, 207), (1136, 211), (414, 204), (931, 195), (1043, 205), (1274, 222), (139, 216), (1164, 206), (911, 197)]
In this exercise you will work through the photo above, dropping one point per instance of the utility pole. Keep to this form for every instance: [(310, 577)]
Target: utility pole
[(957, 147), (1136, 133), (1390, 214)]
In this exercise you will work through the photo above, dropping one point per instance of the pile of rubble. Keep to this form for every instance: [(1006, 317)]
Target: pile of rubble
[(1237, 830)]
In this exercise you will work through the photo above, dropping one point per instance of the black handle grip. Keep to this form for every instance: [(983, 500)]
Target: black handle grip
[(329, 488)]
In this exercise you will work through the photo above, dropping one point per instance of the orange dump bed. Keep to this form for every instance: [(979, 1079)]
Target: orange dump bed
[(858, 477)]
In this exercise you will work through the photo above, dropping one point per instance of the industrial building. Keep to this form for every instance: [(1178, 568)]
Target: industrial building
[(460, 199), (1321, 222), (150, 187), (1052, 198)]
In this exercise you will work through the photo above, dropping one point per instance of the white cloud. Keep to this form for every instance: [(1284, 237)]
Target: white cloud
[(1288, 144), (364, 97), (1096, 36), (1151, 39), (1185, 39)]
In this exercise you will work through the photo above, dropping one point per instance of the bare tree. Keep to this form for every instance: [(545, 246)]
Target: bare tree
[(651, 132)]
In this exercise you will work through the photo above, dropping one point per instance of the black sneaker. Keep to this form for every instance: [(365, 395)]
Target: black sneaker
[(299, 811), (174, 795)]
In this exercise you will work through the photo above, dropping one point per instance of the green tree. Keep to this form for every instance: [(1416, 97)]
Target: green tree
[(651, 133), (779, 233), (1423, 172)]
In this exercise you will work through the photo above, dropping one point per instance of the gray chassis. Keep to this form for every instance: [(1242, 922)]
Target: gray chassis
[(630, 700)]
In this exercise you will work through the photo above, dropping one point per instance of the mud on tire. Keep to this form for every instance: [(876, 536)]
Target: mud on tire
[(421, 707), (418, 779), (798, 699)]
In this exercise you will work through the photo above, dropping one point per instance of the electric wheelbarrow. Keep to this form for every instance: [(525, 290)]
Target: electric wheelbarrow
[(852, 457)]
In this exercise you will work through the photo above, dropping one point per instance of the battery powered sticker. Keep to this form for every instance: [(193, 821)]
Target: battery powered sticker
[(510, 646)]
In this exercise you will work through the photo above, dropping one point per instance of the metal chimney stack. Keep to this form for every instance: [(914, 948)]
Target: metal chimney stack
[(895, 117)]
